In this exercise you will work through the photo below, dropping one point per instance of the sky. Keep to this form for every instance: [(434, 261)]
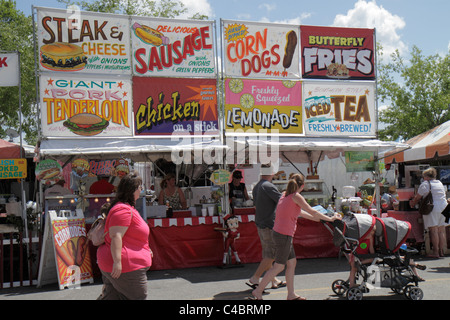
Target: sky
[(399, 24)]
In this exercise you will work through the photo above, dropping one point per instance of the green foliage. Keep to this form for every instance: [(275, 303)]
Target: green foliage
[(417, 92), (16, 32)]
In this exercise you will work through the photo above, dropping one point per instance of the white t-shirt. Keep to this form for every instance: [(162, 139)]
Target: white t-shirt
[(438, 192)]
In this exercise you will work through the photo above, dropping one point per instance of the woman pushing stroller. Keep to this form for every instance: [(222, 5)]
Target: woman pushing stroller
[(290, 206)]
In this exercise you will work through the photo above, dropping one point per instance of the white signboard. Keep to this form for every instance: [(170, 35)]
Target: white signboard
[(346, 109), (83, 42), (9, 69)]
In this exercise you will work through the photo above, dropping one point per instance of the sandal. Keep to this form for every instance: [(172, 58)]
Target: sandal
[(298, 299), (420, 266), (280, 284)]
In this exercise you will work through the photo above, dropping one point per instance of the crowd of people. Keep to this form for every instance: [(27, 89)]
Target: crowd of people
[(125, 256)]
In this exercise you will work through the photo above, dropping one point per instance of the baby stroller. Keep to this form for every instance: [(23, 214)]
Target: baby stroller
[(388, 268)]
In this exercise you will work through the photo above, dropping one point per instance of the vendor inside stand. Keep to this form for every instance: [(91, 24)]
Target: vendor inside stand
[(57, 189), (170, 194), (237, 189)]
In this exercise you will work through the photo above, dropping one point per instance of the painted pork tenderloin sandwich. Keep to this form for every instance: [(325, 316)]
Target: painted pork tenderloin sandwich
[(86, 124)]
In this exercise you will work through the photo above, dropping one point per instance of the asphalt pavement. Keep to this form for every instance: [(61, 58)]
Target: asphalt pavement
[(313, 280)]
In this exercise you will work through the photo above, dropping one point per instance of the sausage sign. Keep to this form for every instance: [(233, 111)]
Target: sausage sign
[(262, 51)]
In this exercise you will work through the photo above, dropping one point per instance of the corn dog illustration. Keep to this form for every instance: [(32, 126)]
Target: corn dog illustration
[(67, 252), (82, 244), (289, 49)]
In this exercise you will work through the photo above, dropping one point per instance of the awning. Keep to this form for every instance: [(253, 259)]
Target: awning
[(9, 150), (428, 145), (137, 149), (303, 150)]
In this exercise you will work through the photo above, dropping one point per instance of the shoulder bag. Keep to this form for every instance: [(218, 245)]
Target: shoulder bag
[(426, 203)]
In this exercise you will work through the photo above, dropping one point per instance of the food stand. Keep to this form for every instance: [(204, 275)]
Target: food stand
[(127, 97), (431, 148)]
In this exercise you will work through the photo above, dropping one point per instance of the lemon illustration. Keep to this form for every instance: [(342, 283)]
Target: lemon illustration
[(236, 85), (247, 101), (289, 84)]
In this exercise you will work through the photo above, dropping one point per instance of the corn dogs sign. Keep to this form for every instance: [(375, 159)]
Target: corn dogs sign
[(259, 50), (73, 261)]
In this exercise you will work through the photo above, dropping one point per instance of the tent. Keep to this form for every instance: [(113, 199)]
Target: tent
[(9, 150), (428, 145), (304, 150)]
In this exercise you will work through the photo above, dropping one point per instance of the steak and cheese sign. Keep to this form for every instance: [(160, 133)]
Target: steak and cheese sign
[(83, 42)]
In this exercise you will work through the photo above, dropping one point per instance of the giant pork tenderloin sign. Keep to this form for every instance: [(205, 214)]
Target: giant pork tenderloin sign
[(263, 106), (338, 53), (335, 109), (85, 106), (83, 42), (256, 50), (181, 106), (177, 48)]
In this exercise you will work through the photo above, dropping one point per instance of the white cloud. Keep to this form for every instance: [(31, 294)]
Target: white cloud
[(367, 14), (268, 7), (198, 6), (295, 20)]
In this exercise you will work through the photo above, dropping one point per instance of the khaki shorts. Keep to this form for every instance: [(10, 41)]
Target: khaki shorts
[(268, 247), (284, 248)]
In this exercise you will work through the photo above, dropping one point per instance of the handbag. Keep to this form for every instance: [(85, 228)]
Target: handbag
[(426, 203), (97, 232)]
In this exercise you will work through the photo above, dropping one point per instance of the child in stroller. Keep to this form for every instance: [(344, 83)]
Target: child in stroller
[(379, 264)]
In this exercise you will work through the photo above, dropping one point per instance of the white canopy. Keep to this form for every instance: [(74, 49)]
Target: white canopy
[(301, 150), (137, 149)]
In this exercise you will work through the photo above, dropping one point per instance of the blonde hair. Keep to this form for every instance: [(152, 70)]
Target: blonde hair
[(295, 182), (430, 173)]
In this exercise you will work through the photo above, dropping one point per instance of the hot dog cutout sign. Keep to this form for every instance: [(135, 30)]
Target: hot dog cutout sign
[(255, 50), (170, 47)]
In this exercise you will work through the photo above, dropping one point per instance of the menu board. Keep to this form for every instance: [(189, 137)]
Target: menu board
[(263, 106), (83, 42), (75, 106), (165, 106), (168, 47), (257, 50), (339, 108), (338, 53)]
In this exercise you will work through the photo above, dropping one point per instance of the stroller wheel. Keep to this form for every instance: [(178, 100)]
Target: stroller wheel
[(413, 293), (354, 294), (339, 287)]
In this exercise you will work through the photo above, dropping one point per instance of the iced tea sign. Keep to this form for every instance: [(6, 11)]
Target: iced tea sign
[(339, 109)]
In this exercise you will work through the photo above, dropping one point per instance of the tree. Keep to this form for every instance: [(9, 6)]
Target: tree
[(421, 101), (16, 34), (163, 8)]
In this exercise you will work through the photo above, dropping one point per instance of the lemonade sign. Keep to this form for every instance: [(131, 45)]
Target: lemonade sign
[(268, 106)]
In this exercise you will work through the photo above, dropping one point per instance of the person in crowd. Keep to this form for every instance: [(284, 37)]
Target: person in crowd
[(435, 221), (237, 189), (102, 186), (290, 207), (265, 197), (57, 189), (171, 194), (125, 256)]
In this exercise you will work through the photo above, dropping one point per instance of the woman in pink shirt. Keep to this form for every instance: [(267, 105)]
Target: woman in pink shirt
[(291, 206), (125, 256)]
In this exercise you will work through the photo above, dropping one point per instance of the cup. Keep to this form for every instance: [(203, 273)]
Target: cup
[(211, 211), (204, 212)]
